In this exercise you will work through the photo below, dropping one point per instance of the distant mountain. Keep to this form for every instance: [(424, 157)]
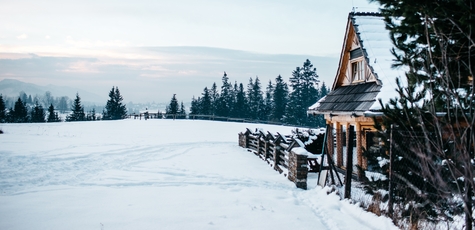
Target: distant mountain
[(12, 88)]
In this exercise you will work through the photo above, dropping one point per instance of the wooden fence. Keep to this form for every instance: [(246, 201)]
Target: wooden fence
[(281, 153)]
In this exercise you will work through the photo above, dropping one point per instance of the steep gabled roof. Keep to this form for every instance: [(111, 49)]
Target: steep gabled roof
[(375, 43)]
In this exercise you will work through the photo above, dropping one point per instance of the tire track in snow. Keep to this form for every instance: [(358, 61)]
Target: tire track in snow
[(18, 173)]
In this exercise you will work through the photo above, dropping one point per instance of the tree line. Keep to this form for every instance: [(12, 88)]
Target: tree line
[(23, 112), (61, 104), (279, 102)]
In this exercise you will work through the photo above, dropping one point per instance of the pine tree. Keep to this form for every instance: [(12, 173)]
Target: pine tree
[(3, 115), (433, 118), (304, 93), (319, 120), (214, 94), (240, 107), (195, 106), (182, 110), (172, 108), (115, 109), (268, 106), (37, 113), (77, 111), (20, 113), (91, 115), (224, 102), (280, 98), (206, 102), (255, 98), (24, 98), (52, 115), (234, 93), (324, 90)]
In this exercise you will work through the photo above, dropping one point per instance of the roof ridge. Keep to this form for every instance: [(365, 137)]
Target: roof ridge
[(366, 14)]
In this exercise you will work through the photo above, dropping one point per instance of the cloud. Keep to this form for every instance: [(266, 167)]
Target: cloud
[(87, 43), (47, 37), (81, 67), (23, 36), (147, 74)]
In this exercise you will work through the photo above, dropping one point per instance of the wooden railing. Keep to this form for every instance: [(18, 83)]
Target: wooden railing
[(277, 150)]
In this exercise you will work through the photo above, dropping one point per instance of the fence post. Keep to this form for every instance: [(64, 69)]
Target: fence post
[(391, 161), (244, 139), (339, 144), (349, 162), (259, 144), (298, 169), (276, 155)]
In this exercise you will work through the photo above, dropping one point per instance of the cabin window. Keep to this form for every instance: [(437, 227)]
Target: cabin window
[(357, 71)]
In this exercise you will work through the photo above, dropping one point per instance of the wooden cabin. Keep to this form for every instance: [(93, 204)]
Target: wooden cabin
[(364, 76)]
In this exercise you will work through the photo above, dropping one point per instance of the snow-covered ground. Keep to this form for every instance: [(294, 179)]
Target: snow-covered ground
[(155, 174)]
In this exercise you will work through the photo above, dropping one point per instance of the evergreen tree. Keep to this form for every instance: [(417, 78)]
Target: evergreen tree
[(280, 99), (304, 93), (268, 106), (38, 113), (206, 102), (294, 113), (115, 109), (24, 98), (91, 115), (240, 107), (182, 110), (77, 111), (195, 106), (319, 120), (224, 102), (20, 113), (52, 115), (214, 94), (3, 115), (172, 108), (255, 98), (234, 93), (324, 90), (433, 118)]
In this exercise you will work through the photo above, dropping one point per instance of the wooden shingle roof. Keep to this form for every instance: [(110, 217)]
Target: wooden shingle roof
[(350, 98)]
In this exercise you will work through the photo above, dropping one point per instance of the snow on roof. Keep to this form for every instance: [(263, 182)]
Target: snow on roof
[(377, 45)]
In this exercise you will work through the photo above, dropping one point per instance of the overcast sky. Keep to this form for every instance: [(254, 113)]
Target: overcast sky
[(153, 49)]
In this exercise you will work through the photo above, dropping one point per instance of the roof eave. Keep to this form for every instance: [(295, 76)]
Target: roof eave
[(335, 113)]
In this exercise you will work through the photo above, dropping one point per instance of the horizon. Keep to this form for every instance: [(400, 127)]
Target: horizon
[(152, 50)]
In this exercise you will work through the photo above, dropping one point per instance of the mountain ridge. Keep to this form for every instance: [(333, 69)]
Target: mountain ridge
[(12, 88)]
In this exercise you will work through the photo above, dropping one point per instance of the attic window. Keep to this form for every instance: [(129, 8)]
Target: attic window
[(357, 71)]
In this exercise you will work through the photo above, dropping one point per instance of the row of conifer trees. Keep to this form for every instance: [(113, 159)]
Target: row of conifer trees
[(22, 113), (280, 102)]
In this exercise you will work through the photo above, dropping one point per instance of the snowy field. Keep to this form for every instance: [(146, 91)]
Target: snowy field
[(155, 174)]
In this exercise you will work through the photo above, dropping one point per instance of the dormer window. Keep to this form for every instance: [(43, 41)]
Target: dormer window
[(357, 71)]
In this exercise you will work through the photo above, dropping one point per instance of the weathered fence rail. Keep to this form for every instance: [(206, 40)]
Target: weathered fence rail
[(282, 153)]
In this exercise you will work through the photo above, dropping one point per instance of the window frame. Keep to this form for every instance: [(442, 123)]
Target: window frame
[(358, 69)]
